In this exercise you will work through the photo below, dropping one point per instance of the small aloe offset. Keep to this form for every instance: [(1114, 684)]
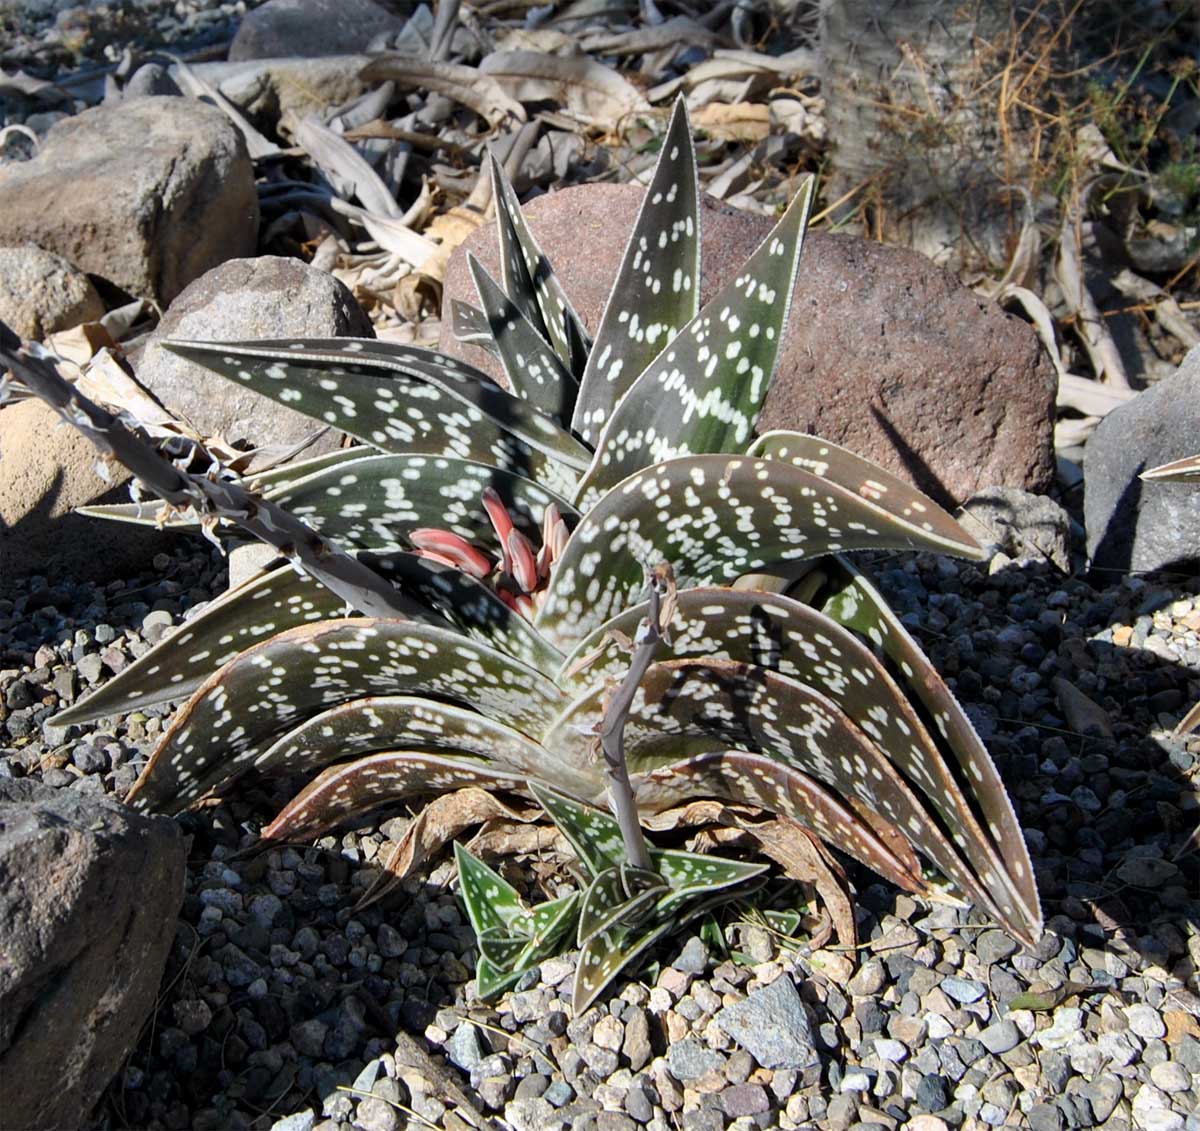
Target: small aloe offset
[(621, 913), (522, 522)]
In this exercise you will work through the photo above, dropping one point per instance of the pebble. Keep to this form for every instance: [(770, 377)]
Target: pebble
[(773, 1026), (1146, 1022)]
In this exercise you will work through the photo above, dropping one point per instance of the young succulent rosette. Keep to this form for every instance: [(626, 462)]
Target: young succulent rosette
[(521, 521)]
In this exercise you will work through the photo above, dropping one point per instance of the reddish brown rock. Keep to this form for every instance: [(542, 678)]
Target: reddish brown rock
[(885, 353)]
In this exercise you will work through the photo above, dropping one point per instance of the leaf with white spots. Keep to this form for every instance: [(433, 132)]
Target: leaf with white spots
[(374, 502), (995, 841), (471, 326), (530, 282), (391, 722), (608, 902), (398, 398), (491, 981), (861, 477), (756, 779), (500, 947), (149, 512), (534, 371), (704, 392), (593, 834), (181, 661), (469, 605), (350, 789), (606, 954), (609, 952), (712, 518), (690, 874), (692, 707), (491, 901), (657, 290), (271, 688)]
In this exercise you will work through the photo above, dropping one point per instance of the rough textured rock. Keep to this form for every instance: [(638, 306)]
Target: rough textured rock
[(41, 292), (772, 1026), (885, 353), (282, 28), (47, 469), (148, 194), (1132, 525), (268, 297), (89, 894), (1025, 527), (273, 90)]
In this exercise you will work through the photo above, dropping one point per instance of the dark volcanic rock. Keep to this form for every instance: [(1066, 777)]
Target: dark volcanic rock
[(89, 892), (885, 353)]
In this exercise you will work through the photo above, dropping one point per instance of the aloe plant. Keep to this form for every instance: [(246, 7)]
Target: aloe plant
[(522, 521)]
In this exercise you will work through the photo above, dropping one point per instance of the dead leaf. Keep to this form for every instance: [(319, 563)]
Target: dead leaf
[(438, 823), (468, 86), (583, 88), (739, 121), (344, 166)]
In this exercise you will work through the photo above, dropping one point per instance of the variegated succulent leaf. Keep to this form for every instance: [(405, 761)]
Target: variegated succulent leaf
[(501, 947), (256, 698), (704, 391), (350, 789), (861, 477), (657, 289), (608, 900), (492, 903), (692, 874), (399, 398), (530, 282), (594, 835), (471, 326), (713, 518), (609, 952), (1005, 867), (491, 981), (154, 512), (373, 503), (534, 370), (184, 659)]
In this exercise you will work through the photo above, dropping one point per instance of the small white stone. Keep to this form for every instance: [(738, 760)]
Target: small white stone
[(1170, 1077)]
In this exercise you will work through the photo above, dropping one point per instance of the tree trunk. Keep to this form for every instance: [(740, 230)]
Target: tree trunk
[(913, 91)]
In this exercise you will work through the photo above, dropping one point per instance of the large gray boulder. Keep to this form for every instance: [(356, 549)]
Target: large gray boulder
[(884, 353), (41, 292), (287, 28), (1135, 525), (89, 895), (147, 194), (267, 297)]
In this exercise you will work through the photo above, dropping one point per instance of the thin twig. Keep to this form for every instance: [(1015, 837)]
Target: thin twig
[(358, 585), (611, 730)]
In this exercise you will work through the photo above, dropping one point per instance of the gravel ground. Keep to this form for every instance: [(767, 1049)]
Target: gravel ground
[(284, 1007)]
